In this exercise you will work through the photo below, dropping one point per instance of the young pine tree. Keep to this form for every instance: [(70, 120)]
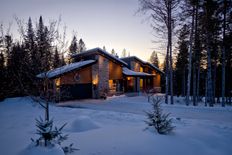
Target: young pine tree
[(159, 120)]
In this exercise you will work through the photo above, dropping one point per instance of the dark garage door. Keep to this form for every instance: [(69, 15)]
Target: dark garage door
[(76, 91)]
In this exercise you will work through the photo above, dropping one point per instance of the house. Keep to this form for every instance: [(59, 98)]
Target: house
[(150, 79), (95, 73)]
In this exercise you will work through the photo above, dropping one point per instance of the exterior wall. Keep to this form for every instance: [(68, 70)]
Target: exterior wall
[(156, 82), (95, 79), (115, 78), (103, 85), (84, 77), (115, 71), (100, 76), (135, 66)]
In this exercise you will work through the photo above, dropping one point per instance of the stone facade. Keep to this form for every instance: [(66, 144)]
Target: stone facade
[(103, 85), (136, 67), (100, 76)]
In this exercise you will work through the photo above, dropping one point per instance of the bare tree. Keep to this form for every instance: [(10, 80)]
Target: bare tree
[(163, 14)]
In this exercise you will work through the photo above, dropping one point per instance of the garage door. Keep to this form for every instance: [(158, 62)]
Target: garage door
[(76, 91)]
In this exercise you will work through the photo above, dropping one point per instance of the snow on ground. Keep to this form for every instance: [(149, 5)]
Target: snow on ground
[(116, 127)]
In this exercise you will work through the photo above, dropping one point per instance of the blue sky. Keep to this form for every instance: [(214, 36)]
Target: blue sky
[(109, 23)]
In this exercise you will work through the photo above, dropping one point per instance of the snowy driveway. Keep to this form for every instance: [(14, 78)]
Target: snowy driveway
[(139, 104)]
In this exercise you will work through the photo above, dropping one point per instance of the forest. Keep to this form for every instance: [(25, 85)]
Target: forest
[(199, 32)]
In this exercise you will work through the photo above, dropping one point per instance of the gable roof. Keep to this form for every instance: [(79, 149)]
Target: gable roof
[(64, 69), (130, 58), (102, 52)]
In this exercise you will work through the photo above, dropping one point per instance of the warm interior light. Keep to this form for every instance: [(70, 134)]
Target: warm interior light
[(57, 82), (95, 80)]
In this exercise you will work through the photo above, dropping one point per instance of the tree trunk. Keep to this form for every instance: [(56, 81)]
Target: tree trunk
[(206, 92), (223, 55), (190, 60), (167, 77), (183, 83), (170, 47), (196, 57), (46, 91), (214, 81), (198, 81), (209, 73)]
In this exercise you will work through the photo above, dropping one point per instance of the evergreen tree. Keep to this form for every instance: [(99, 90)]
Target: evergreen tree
[(113, 52), (159, 120), (56, 59), (182, 61), (73, 48), (154, 59), (124, 53), (62, 60), (81, 46), (43, 46), (2, 61), (2, 76), (104, 48)]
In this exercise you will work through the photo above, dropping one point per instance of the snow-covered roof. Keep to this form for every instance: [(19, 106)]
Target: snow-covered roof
[(143, 62), (129, 72), (64, 69), (100, 51)]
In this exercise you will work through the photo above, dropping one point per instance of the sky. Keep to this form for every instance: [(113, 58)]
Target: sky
[(109, 23)]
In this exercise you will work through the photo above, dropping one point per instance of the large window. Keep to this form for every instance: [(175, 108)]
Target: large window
[(115, 85)]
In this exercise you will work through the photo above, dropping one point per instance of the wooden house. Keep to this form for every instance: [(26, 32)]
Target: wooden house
[(95, 74)]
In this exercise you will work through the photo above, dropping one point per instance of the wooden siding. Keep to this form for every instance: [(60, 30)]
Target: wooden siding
[(115, 71), (156, 80), (85, 77)]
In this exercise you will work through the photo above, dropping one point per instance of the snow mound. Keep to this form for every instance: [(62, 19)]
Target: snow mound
[(83, 123), (39, 150)]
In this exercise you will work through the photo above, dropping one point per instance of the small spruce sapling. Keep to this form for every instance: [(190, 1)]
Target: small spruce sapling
[(157, 119), (49, 135)]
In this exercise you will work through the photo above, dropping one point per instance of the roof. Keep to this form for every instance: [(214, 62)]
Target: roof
[(129, 72), (64, 69), (143, 62), (101, 51)]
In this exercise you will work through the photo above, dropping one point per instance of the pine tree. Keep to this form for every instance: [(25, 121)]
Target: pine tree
[(44, 40), (104, 48), (208, 17), (62, 60), (159, 120), (182, 61), (2, 76), (124, 53), (154, 59), (81, 46), (56, 59), (113, 52), (73, 48)]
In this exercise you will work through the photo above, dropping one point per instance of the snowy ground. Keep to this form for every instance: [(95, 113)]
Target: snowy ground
[(116, 127)]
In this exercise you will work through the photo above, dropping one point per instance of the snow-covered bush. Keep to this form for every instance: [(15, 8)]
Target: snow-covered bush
[(157, 119), (50, 136)]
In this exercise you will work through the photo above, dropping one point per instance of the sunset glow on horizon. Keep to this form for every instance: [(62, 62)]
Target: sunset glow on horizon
[(110, 23)]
